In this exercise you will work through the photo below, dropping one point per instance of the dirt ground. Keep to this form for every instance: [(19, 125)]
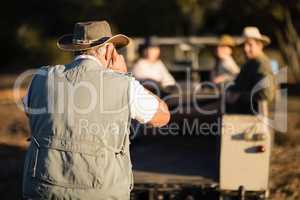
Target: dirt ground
[(285, 162)]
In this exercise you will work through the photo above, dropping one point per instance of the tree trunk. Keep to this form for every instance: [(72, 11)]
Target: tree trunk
[(289, 44)]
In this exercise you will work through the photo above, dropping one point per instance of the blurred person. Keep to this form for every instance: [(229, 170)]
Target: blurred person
[(78, 151), (150, 67), (226, 68), (255, 73)]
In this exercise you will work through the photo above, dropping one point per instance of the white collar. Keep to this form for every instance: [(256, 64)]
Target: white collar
[(89, 57)]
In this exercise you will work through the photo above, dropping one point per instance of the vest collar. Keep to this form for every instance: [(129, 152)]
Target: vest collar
[(80, 57)]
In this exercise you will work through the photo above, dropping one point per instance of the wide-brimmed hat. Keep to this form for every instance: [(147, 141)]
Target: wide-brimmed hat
[(87, 35), (253, 32), (226, 40)]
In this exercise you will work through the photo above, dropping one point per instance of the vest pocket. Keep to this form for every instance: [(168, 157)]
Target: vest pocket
[(69, 169)]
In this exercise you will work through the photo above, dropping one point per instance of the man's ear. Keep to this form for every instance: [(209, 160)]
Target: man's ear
[(109, 51)]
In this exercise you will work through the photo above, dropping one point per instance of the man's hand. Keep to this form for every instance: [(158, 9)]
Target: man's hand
[(116, 62)]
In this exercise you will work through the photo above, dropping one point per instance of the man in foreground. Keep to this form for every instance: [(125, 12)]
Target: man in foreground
[(79, 115)]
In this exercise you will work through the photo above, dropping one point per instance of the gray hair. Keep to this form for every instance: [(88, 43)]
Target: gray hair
[(100, 49)]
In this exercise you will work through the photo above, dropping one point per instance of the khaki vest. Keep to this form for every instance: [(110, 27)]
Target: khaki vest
[(79, 118)]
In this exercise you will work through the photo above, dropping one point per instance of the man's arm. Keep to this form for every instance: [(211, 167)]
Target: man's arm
[(146, 107), (162, 115)]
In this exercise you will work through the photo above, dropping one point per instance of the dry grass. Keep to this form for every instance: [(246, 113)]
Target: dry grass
[(285, 173)]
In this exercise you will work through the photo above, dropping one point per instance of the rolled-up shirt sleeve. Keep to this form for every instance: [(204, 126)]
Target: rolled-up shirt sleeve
[(143, 105)]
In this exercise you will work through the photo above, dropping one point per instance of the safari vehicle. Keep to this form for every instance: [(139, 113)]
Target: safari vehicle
[(199, 155)]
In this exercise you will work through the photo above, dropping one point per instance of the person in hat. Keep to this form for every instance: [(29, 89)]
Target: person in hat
[(256, 80), (226, 68), (150, 67), (79, 114)]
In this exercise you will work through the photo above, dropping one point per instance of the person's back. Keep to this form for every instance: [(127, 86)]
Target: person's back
[(101, 134), (79, 115)]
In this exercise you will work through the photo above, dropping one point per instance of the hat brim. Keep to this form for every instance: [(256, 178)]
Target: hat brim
[(226, 44), (264, 39), (66, 42)]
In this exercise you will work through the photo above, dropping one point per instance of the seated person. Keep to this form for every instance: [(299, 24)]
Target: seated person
[(255, 81), (226, 68), (150, 67)]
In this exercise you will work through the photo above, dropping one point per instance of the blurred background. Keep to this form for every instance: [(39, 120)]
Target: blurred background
[(30, 29)]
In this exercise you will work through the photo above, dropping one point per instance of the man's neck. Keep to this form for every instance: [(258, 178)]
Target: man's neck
[(84, 56)]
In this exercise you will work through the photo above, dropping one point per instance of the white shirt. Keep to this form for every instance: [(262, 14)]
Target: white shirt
[(143, 106), (229, 68), (157, 71)]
